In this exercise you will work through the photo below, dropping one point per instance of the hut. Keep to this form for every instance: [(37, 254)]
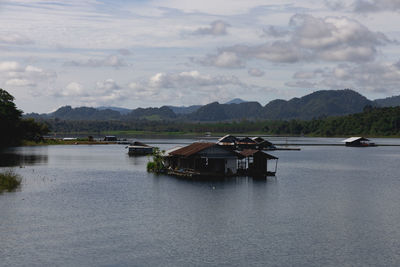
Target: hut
[(358, 142), (139, 148), (202, 159), (246, 143), (110, 138), (265, 145), (258, 139), (228, 140), (254, 162)]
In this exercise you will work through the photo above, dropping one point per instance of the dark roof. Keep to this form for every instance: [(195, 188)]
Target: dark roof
[(191, 149), (258, 139), (246, 140), (137, 143), (228, 139), (265, 143), (250, 152)]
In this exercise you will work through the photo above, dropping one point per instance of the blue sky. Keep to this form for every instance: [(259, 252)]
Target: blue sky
[(153, 53)]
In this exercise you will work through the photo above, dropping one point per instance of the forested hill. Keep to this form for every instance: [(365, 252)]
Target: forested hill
[(324, 103)]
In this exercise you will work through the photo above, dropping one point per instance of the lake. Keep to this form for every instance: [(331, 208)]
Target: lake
[(96, 206)]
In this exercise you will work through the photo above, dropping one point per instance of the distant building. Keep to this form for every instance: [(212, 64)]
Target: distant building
[(139, 148), (110, 138), (210, 159), (358, 142), (202, 159)]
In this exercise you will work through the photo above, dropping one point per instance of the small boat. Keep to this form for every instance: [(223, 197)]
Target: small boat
[(139, 148)]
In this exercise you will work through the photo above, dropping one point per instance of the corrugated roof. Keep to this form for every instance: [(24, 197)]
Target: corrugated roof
[(137, 143), (251, 152), (352, 139), (191, 149), (258, 139)]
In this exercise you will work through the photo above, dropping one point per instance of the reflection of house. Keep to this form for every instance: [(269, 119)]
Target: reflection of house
[(202, 159), (358, 142), (139, 148)]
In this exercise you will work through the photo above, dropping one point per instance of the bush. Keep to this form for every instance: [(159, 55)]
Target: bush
[(9, 181), (156, 165)]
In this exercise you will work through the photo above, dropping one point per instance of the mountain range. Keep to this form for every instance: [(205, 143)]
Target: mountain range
[(321, 103)]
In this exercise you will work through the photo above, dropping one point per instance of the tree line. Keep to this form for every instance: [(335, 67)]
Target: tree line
[(373, 121), (14, 129)]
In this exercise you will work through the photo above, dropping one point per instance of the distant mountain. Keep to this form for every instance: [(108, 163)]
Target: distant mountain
[(184, 110), (236, 101), (317, 104), (122, 111), (150, 113), (84, 113), (392, 101), (322, 103), (221, 112)]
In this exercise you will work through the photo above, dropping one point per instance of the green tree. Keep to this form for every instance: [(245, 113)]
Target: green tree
[(14, 129)]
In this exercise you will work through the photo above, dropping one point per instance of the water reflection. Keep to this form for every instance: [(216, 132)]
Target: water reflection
[(12, 159)]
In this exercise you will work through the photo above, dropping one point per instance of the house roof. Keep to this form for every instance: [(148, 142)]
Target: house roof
[(137, 143), (191, 149), (251, 152), (227, 139), (258, 139), (353, 139), (246, 140)]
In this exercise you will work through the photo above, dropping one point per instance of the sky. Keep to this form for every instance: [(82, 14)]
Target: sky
[(174, 52)]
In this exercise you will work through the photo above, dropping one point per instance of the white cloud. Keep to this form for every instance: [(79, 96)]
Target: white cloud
[(225, 59), (6, 66), (73, 89), (20, 82), (110, 61), (255, 72), (310, 39), (14, 39), (216, 28)]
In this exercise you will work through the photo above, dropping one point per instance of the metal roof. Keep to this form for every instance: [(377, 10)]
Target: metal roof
[(137, 143), (258, 139), (352, 139), (191, 149)]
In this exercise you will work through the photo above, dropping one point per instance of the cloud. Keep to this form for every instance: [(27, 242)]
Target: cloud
[(310, 39), (20, 82), (225, 59), (14, 39), (375, 77), (110, 61), (376, 6), (255, 72), (24, 76), (217, 28), (301, 84), (73, 89), (275, 32)]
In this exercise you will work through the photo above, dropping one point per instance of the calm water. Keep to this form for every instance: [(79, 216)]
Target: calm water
[(96, 206)]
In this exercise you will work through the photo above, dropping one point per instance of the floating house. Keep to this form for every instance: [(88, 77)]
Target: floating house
[(110, 138), (139, 148), (358, 142), (255, 163), (228, 140), (203, 159)]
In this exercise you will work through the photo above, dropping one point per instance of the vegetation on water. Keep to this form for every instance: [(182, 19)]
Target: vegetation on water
[(14, 128), (9, 181), (156, 165)]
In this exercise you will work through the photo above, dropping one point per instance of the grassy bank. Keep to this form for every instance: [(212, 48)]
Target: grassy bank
[(9, 181)]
